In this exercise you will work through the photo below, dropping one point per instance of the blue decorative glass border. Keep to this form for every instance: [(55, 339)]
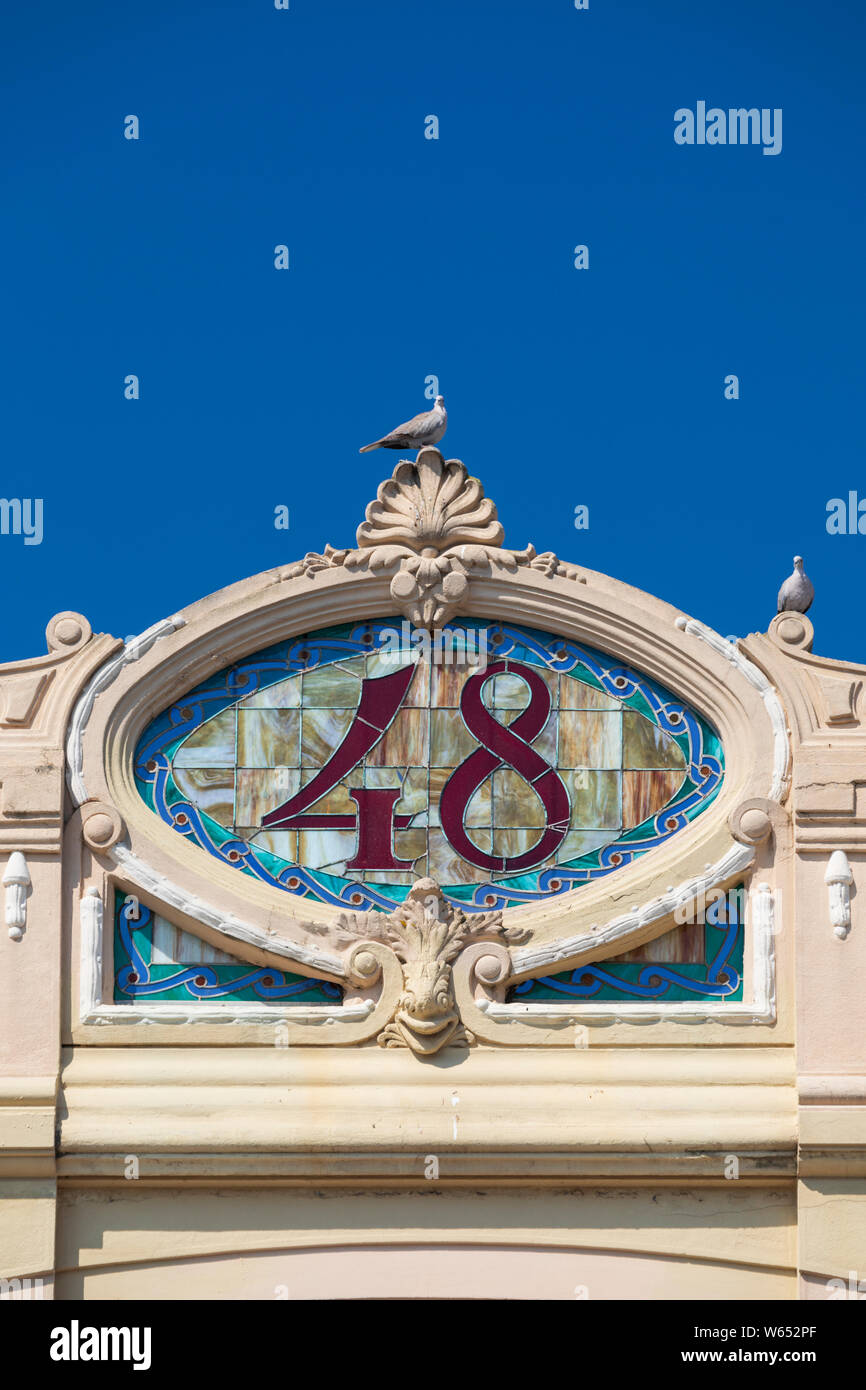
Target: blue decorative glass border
[(159, 743), (719, 977), (136, 977)]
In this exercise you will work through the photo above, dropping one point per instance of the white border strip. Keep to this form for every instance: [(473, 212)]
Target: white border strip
[(162, 888), (92, 1010), (756, 678), (133, 648)]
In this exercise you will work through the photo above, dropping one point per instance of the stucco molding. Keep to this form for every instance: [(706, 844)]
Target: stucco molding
[(609, 1112), (772, 703), (819, 692)]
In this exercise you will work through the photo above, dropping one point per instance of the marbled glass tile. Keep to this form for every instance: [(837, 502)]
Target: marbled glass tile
[(259, 790), (446, 684), (479, 808), (646, 745), (450, 740), (322, 730), (514, 840), (506, 692), (577, 843), (590, 739), (515, 803), (404, 743), (336, 802), (682, 946), (281, 842), (575, 694), (410, 844), (596, 798), (326, 849), (284, 695), (331, 687), (212, 745), (268, 738), (211, 789), (414, 797), (442, 861), (644, 794)]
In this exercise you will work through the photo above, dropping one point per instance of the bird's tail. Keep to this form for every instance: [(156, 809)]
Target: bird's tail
[(367, 447)]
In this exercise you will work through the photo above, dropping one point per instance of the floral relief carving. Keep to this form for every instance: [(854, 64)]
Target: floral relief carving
[(431, 523)]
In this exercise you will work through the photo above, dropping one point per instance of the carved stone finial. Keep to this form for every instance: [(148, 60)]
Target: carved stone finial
[(430, 526), (429, 506)]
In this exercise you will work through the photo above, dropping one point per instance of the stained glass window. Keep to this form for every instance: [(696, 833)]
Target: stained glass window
[(159, 962), (699, 960), (343, 764)]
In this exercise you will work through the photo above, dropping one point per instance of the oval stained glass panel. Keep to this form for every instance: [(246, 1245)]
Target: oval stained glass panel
[(507, 763)]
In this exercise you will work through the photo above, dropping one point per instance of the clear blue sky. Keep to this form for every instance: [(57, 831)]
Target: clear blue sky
[(411, 257)]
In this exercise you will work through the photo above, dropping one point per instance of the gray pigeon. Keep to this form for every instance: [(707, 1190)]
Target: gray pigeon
[(797, 592), (426, 428)]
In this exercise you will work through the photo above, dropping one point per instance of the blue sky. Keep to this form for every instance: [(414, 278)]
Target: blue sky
[(412, 257)]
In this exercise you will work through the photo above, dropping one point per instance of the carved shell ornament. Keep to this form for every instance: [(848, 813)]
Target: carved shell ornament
[(433, 525), (431, 505)]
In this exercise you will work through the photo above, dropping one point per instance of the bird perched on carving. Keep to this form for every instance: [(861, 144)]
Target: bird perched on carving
[(426, 428), (797, 592)]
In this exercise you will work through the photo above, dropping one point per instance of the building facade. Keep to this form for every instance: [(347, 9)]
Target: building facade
[(432, 919)]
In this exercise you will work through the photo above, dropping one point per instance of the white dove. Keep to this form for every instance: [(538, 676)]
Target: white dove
[(426, 428), (797, 592)]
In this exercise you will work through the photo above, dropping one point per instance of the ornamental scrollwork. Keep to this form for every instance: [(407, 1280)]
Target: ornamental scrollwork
[(426, 933)]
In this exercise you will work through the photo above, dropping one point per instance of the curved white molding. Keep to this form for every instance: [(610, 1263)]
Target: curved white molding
[(93, 1010), (761, 1009), (133, 648), (273, 1015), (530, 960), (144, 877), (756, 678), (763, 912)]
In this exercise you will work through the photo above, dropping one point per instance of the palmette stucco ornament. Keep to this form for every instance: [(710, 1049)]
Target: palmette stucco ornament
[(433, 525), (427, 934)]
